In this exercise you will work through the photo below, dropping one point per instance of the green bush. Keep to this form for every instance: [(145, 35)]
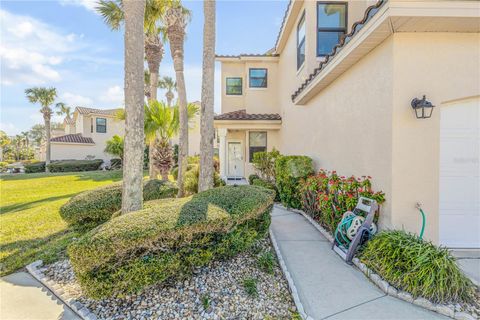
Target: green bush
[(290, 170), (264, 163), (268, 185), (75, 165), (169, 238), (3, 166), (192, 176), (252, 177), (417, 266), (93, 207), (35, 167)]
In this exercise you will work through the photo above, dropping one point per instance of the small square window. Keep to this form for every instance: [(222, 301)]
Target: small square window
[(257, 78), (257, 142), (101, 125), (234, 86)]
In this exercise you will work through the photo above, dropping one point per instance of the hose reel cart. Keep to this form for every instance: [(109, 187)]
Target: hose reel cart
[(355, 228)]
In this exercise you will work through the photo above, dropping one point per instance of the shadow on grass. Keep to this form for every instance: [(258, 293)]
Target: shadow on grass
[(28, 205), (23, 252)]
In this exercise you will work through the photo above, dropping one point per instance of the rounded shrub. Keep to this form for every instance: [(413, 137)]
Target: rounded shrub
[(35, 167), (266, 184), (93, 207), (418, 267), (169, 238), (252, 177)]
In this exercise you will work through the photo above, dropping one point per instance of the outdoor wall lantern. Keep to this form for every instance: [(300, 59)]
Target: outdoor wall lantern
[(423, 108)]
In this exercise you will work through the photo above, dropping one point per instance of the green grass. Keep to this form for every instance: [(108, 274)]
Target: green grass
[(30, 225), (250, 286)]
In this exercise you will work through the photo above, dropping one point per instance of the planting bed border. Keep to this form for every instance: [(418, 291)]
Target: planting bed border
[(443, 309), (77, 307)]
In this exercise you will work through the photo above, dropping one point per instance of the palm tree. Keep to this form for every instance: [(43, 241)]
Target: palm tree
[(63, 109), (44, 96), (113, 14), (176, 20), (170, 85), (132, 192), (205, 180), (161, 125), (115, 146), (4, 141)]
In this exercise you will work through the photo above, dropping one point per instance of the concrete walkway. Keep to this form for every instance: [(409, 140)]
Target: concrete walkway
[(23, 297), (327, 287)]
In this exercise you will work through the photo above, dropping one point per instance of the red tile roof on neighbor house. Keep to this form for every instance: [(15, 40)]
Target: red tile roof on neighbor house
[(73, 138), (108, 112), (69, 121), (243, 115)]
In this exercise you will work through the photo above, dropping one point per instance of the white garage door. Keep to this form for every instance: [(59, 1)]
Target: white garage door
[(460, 174)]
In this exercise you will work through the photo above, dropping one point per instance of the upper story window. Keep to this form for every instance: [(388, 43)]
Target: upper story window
[(234, 86), (331, 25), (257, 78), (91, 125), (301, 41), (101, 125)]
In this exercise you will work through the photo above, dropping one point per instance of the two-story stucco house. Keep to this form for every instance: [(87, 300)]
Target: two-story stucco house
[(338, 87), (86, 133)]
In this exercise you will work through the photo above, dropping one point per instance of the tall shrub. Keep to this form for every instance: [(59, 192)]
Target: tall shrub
[(264, 163), (290, 171)]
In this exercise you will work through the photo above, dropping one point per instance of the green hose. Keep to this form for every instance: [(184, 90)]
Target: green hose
[(423, 222)]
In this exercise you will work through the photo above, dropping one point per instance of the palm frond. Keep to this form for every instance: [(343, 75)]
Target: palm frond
[(111, 12)]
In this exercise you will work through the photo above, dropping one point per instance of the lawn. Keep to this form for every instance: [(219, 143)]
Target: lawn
[(30, 225)]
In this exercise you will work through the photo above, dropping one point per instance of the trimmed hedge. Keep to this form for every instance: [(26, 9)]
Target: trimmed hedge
[(265, 184), (93, 207), (192, 177), (35, 167), (75, 165), (290, 170), (418, 267), (169, 239)]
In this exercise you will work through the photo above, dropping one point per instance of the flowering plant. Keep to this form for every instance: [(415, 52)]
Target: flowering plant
[(326, 196)]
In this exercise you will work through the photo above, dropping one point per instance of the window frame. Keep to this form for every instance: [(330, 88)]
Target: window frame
[(96, 125), (266, 78), (323, 29), (250, 154), (226, 86), (302, 19)]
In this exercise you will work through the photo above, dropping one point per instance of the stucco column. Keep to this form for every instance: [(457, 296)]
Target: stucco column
[(222, 152)]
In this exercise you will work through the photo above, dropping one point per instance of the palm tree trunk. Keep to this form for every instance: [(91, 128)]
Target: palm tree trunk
[(46, 118), (154, 54), (205, 181), (176, 34), (132, 195)]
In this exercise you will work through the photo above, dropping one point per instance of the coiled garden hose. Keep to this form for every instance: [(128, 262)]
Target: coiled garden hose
[(424, 219)]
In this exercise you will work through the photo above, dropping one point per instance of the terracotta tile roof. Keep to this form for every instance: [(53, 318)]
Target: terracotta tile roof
[(243, 115), (108, 112), (73, 138), (68, 121), (283, 23), (357, 26)]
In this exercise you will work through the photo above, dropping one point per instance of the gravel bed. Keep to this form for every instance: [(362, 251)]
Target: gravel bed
[(214, 292)]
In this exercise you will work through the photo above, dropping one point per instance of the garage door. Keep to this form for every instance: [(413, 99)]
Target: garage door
[(460, 174)]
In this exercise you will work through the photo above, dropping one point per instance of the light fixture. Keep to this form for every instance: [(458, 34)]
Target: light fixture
[(423, 108)]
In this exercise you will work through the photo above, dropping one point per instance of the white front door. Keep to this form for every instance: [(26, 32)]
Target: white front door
[(460, 174), (235, 160)]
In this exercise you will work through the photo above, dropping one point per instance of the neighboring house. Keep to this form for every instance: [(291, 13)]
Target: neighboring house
[(193, 134), (346, 102), (85, 134)]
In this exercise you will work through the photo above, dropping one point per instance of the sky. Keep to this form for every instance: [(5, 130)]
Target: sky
[(65, 44)]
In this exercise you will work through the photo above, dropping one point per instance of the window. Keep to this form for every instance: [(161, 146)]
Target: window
[(234, 86), (301, 41), (91, 125), (257, 142), (101, 125), (257, 78), (331, 25)]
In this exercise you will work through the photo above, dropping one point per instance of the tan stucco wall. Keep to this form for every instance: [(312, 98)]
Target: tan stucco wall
[(63, 151), (193, 137), (254, 100), (445, 67)]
